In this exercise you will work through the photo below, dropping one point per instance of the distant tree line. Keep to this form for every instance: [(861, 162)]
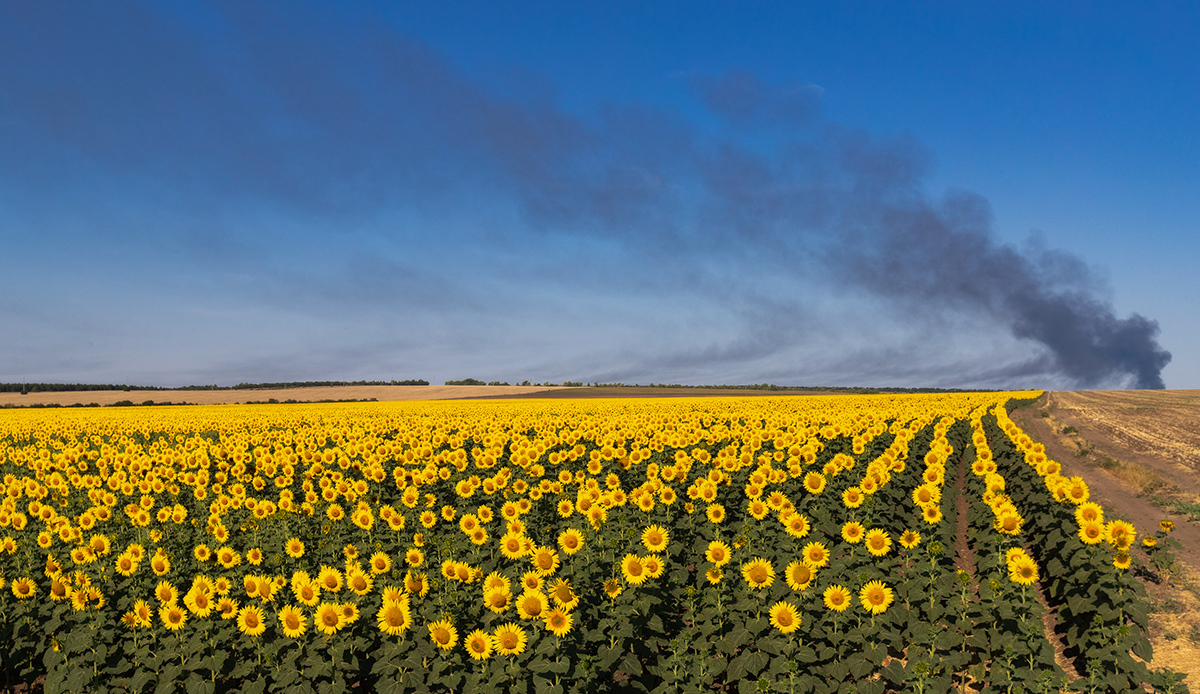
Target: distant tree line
[(73, 387)]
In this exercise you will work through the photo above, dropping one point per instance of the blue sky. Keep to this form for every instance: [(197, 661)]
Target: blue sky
[(914, 194)]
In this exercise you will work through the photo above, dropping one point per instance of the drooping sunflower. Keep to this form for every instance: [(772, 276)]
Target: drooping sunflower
[(758, 573), (785, 617), (875, 597), (509, 639), (837, 598)]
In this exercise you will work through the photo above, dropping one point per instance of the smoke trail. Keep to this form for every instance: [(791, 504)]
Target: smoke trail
[(337, 119)]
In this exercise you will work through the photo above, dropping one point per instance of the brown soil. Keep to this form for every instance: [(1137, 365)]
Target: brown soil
[(1139, 452)]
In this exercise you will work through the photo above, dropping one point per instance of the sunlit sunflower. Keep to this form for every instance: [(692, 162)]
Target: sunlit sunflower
[(478, 644), (633, 570), (875, 597), (328, 618), (531, 605), (878, 542), (173, 617), (785, 617), (758, 573), (293, 621), (251, 621), (815, 554), (570, 541), (294, 548), (655, 538), (443, 634), (910, 539), (718, 553), (509, 639), (853, 532), (837, 598), (558, 622), (799, 575), (393, 617)]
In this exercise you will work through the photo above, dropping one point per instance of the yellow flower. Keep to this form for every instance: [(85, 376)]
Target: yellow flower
[(714, 575), (654, 565), (758, 573), (853, 497), (563, 596), (531, 604), (559, 623), (910, 539), (633, 570), (570, 541), (294, 548), (718, 553), (1122, 560), (166, 593), (814, 483), (875, 597), (328, 618), (612, 588), (443, 634), (497, 599), (816, 555), (173, 617), (293, 621), (931, 514), (479, 644), (878, 542), (785, 617), (799, 575), (330, 579), (837, 598), (852, 532), (509, 639), (1091, 532), (546, 560), (199, 602), (655, 538), (1022, 569), (715, 513), (393, 618), (381, 563), (251, 621)]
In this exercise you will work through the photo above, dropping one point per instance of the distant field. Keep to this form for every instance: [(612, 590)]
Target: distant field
[(225, 397)]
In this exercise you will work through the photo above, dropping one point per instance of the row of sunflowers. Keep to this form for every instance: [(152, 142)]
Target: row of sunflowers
[(773, 543)]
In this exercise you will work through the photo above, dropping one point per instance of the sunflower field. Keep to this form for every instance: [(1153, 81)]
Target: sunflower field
[(771, 544)]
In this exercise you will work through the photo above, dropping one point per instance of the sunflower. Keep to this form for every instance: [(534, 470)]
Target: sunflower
[(1008, 523), (173, 617), (1166, 526), (559, 622), (443, 634), (512, 545), (816, 555), (931, 514), (509, 639), (796, 525), (293, 621), (227, 608), (496, 580), (1122, 560), (878, 542), (875, 597), (307, 593), (497, 599), (393, 617), (633, 570), (853, 497), (570, 541), (655, 538), (1022, 569), (330, 579), (715, 513), (718, 553), (654, 565), (160, 564), (562, 594), (328, 618), (199, 602), (416, 584), (546, 560), (531, 604), (837, 598), (814, 483), (294, 548), (166, 593), (910, 539), (852, 532), (478, 644), (714, 575), (143, 613), (251, 621), (799, 575), (758, 573), (1091, 532), (612, 587), (785, 617)]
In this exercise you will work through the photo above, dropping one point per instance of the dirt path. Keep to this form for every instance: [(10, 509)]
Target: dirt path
[(1120, 500)]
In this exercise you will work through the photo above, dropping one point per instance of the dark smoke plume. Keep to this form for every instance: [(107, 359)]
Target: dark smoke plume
[(335, 119)]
